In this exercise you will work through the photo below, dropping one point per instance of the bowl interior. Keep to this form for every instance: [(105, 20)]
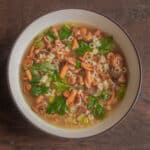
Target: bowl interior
[(87, 17)]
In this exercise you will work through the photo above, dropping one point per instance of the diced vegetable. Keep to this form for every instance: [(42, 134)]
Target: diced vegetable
[(64, 70), (72, 109), (97, 109), (80, 117), (38, 90), (106, 45), (83, 48), (121, 92), (51, 99), (71, 98), (65, 32), (83, 119), (28, 74), (58, 106), (78, 64)]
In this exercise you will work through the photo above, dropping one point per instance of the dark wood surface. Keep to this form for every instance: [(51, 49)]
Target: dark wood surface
[(133, 133)]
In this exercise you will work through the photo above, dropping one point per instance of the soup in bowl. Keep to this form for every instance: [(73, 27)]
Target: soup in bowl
[(73, 75), (76, 72)]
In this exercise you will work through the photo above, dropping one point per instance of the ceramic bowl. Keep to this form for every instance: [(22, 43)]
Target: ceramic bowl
[(87, 17)]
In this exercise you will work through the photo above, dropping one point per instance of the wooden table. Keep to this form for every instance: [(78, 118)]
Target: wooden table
[(133, 133)]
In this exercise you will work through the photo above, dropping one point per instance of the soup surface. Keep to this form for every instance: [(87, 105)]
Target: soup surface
[(73, 75)]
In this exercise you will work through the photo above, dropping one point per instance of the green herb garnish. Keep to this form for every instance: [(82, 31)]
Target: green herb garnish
[(92, 102), (38, 42), (61, 86), (121, 92), (104, 95), (68, 44), (83, 48), (97, 109), (55, 76), (43, 67), (59, 106), (65, 32), (38, 90), (35, 79), (51, 35), (36, 70), (35, 76), (78, 64), (106, 45)]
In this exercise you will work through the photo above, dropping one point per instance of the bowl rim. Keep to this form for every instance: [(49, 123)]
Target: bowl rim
[(135, 50)]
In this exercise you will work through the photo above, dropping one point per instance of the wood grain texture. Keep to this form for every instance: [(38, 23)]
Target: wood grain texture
[(133, 133)]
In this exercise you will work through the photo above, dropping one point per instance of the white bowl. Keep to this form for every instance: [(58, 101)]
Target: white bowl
[(87, 17)]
